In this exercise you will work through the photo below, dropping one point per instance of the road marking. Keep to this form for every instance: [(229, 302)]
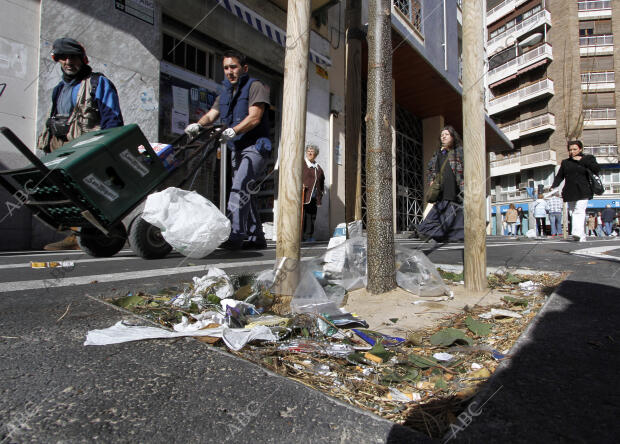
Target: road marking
[(598, 252), (78, 261), (125, 276)]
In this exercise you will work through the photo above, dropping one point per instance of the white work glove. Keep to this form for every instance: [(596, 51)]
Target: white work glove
[(228, 134), (193, 129), (551, 192)]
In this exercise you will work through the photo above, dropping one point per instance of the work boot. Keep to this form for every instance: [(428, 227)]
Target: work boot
[(68, 243)]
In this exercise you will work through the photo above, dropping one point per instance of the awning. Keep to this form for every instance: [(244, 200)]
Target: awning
[(499, 82), (535, 65), (602, 203), (268, 29)]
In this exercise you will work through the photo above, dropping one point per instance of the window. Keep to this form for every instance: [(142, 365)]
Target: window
[(188, 56), (598, 137), (599, 100), (599, 63)]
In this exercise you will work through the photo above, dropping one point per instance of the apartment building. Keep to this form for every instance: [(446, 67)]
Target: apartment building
[(551, 76)]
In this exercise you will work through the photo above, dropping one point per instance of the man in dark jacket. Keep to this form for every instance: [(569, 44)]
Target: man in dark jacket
[(83, 101), (242, 108), (608, 217)]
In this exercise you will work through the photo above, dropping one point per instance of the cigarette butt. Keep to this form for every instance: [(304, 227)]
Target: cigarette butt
[(373, 358)]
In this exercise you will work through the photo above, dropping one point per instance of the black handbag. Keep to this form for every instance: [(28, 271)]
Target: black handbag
[(596, 185)]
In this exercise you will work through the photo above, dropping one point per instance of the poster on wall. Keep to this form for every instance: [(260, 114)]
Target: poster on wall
[(184, 98)]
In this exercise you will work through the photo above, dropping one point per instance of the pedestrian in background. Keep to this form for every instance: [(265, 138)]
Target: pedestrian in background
[(599, 225), (608, 216), (519, 223), (591, 225), (541, 208), (445, 221), (313, 180), (577, 191), (555, 215), (511, 219)]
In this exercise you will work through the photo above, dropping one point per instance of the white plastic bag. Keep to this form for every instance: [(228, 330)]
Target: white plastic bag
[(188, 221), (417, 274)]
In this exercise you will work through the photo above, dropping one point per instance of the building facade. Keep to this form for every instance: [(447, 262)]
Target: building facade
[(551, 77)]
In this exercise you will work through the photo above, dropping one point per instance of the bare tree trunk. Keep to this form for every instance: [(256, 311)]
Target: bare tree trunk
[(380, 251), (292, 148), (353, 110), (475, 262)]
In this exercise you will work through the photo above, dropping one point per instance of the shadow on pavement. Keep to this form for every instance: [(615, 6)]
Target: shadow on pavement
[(561, 384)]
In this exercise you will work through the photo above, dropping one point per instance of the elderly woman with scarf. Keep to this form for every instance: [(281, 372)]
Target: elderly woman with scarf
[(313, 180), (444, 223)]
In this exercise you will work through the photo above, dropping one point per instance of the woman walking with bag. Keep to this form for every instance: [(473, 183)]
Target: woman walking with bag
[(577, 190), (445, 172)]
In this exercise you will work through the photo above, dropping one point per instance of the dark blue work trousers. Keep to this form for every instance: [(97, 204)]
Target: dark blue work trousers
[(247, 167)]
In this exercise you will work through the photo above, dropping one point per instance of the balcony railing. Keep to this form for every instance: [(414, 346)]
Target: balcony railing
[(594, 5), (599, 114), (412, 10), (596, 40), (541, 156), (514, 159), (520, 62), (529, 124), (598, 77), (509, 196), (503, 4), (530, 21), (516, 97), (601, 150)]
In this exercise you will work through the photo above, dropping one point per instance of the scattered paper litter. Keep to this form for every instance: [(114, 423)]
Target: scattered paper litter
[(499, 312), (476, 366), (528, 286), (234, 338), (397, 395)]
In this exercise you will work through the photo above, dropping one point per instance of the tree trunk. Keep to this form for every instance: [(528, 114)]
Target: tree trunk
[(380, 251), (353, 110), (475, 258), (292, 149)]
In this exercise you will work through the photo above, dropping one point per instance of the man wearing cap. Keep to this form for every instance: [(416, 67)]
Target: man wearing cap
[(83, 101), (242, 108)]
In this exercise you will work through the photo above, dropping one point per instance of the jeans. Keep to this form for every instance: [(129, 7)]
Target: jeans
[(540, 226), (511, 229), (556, 223), (607, 228)]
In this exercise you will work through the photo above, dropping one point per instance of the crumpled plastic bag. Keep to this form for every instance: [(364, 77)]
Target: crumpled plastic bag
[(417, 274), (216, 281), (189, 222), (346, 262), (531, 233)]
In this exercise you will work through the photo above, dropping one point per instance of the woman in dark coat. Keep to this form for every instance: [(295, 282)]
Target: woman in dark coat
[(313, 180), (445, 221), (577, 191)]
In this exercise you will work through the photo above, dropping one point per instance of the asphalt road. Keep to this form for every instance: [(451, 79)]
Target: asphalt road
[(54, 389)]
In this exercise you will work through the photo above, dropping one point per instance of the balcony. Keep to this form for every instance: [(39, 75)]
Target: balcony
[(538, 124), (596, 45), (522, 95), (509, 37), (524, 61), (599, 118), (598, 81), (603, 153), (502, 9), (411, 12), (509, 196), (539, 159), (591, 10), (510, 165)]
